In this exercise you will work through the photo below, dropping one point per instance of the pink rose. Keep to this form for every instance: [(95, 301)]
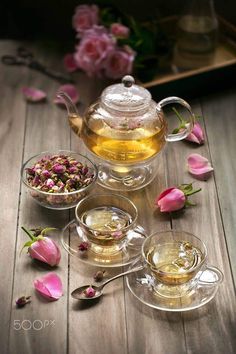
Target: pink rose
[(119, 63), (85, 17), (93, 50), (197, 135), (119, 30), (45, 250), (171, 199), (175, 198)]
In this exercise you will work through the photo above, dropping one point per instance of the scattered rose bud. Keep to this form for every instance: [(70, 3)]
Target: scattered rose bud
[(71, 91), (70, 63), (83, 246), (49, 286), (43, 248), (89, 292), (199, 167), (120, 31), (99, 275), (33, 95), (197, 135), (22, 301), (175, 198)]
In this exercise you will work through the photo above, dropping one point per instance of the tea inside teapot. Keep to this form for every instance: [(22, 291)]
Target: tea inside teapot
[(125, 128)]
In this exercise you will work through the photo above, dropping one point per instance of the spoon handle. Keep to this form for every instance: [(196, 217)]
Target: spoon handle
[(122, 274)]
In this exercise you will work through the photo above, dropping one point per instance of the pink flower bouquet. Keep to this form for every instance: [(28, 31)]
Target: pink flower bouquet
[(112, 44)]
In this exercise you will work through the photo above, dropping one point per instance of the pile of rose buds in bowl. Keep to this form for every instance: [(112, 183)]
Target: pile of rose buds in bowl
[(58, 173), (59, 181)]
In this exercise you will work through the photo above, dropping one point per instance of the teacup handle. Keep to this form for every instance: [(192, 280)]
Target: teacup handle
[(189, 126), (217, 277)]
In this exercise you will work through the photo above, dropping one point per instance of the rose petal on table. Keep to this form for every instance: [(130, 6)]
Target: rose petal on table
[(199, 167), (71, 91), (49, 286), (197, 135), (33, 94), (70, 63)]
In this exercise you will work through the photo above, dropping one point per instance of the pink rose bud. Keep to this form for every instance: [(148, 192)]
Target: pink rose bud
[(199, 167), (197, 135), (49, 286), (83, 246), (171, 199), (119, 30), (45, 250), (90, 292), (33, 95), (85, 17), (57, 168), (69, 63)]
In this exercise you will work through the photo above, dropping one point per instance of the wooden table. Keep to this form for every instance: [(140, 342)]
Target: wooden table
[(118, 323)]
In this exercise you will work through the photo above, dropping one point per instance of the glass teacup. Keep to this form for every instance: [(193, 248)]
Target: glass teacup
[(106, 221), (177, 262)]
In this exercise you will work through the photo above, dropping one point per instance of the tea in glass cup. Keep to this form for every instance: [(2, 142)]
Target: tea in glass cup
[(177, 261), (105, 220)]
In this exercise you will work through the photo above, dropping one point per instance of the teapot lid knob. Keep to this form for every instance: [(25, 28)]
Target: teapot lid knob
[(128, 80)]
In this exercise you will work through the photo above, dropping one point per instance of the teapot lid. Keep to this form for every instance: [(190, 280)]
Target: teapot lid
[(126, 96)]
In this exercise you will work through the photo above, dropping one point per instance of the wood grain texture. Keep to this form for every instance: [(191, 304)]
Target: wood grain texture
[(148, 329), (211, 327), (118, 323), (102, 325), (45, 130), (12, 125), (219, 113)]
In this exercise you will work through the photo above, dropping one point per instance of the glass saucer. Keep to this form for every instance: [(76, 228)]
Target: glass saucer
[(140, 283), (72, 236)]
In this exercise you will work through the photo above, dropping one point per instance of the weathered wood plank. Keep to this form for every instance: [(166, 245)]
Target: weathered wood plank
[(45, 130), (149, 329), (12, 125), (210, 328), (219, 112), (99, 328)]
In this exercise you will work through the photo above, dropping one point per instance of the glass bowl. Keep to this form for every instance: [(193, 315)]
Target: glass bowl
[(59, 200)]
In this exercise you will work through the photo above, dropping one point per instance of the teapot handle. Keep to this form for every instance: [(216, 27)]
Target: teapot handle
[(189, 125)]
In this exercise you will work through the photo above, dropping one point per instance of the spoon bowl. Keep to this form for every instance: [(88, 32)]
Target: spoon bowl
[(80, 293)]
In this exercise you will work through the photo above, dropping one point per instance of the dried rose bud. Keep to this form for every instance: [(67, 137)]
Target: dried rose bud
[(90, 292), (57, 168), (73, 169), (83, 246), (46, 173), (99, 275), (49, 183), (22, 301)]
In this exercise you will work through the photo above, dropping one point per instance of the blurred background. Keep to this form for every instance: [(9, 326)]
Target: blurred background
[(51, 19)]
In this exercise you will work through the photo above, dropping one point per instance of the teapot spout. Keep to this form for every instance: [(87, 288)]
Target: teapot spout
[(75, 120)]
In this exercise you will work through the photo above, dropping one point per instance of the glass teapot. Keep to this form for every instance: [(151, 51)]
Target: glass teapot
[(125, 130)]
